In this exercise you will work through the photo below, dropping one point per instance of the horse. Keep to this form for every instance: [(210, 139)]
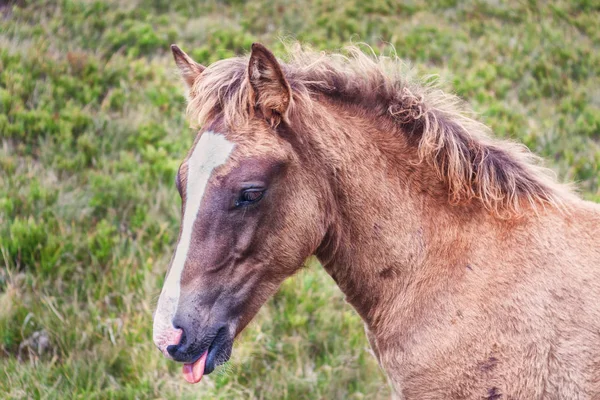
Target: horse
[(476, 273)]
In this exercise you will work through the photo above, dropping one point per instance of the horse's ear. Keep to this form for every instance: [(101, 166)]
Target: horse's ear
[(269, 90), (188, 68)]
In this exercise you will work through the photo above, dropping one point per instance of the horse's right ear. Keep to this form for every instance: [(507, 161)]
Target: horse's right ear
[(269, 90), (189, 69)]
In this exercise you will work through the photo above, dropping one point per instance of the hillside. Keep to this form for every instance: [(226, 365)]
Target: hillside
[(92, 131)]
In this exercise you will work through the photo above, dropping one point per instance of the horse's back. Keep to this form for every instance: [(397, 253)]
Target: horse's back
[(556, 342), (524, 321)]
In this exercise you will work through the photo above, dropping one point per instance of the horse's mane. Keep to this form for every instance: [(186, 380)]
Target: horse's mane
[(501, 175)]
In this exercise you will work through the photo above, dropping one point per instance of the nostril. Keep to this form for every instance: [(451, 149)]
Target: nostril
[(172, 349), (175, 337), (175, 341)]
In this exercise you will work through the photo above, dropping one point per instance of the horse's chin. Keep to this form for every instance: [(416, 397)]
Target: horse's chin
[(219, 353)]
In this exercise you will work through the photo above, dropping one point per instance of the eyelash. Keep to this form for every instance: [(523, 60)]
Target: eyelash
[(249, 196)]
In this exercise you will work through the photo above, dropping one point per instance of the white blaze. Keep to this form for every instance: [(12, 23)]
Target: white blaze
[(211, 151)]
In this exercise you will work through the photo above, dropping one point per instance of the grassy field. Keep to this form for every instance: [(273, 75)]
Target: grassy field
[(92, 130)]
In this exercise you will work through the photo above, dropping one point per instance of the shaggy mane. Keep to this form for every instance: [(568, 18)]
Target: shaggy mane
[(501, 175)]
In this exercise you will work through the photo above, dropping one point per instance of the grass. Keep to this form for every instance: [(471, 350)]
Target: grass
[(92, 131)]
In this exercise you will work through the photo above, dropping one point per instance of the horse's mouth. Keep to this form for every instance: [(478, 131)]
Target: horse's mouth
[(205, 362), (219, 350)]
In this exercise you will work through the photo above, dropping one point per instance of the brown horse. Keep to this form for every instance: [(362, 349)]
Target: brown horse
[(476, 275)]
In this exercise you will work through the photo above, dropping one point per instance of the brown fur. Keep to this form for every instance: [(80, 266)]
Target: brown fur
[(477, 276), (473, 165)]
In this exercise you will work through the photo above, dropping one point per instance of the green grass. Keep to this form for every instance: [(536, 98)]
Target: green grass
[(92, 130)]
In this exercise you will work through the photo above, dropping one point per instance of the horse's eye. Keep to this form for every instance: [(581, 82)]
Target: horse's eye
[(249, 196)]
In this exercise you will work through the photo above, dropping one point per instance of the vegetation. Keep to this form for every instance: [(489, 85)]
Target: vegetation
[(92, 130)]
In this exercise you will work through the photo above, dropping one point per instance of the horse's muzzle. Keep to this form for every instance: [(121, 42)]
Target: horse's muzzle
[(217, 341)]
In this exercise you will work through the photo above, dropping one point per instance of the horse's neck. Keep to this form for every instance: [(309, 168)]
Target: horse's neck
[(383, 245)]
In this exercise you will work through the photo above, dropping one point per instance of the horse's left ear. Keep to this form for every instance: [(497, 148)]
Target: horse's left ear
[(189, 69), (269, 90)]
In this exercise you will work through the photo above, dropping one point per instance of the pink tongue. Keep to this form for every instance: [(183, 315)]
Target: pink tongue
[(193, 372)]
